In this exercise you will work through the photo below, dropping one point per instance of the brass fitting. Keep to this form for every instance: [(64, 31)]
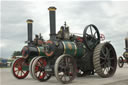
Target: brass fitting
[(29, 21), (52, 8)]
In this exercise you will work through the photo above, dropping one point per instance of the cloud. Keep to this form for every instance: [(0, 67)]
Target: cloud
[(110, 18)]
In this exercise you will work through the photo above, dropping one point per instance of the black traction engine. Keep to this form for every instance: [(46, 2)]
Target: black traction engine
[(124, 59)]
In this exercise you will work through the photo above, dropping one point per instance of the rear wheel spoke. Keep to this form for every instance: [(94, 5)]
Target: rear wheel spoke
[(112, 67), (111, 58), (103, 58)]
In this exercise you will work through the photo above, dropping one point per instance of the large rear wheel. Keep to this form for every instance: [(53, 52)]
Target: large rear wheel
[(105, 60), (17, 69), (65, 69)]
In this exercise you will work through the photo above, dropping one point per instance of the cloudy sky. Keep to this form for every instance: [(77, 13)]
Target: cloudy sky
[(111, 18)]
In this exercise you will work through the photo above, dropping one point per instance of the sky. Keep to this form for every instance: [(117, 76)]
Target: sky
[(110, 17)]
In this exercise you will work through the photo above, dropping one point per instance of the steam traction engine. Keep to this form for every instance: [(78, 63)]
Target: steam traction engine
[(64, 55), (124, 59)]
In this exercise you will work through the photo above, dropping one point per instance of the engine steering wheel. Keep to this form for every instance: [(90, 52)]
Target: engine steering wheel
[(91, 36)]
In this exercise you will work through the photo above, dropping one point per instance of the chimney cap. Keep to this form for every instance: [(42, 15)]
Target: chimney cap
[(29, 21), (52, 8)]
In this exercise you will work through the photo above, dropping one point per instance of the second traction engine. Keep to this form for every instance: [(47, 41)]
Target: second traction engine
[(124, 59)]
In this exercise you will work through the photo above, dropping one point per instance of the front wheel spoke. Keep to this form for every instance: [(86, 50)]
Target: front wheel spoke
[(18, 72), (23, 72), (40, 63), (61, 62), (39, 74), (37, 71), (64, 77), (66, 62)]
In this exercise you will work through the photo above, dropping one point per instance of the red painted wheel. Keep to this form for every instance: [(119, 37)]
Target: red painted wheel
[(17, 70), (38, 69)]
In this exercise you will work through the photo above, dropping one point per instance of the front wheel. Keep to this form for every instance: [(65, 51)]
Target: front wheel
[(65, 69), (38, 69), (30, 67), (17, 68), (120, 62)]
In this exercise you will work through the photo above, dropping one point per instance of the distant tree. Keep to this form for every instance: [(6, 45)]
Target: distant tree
[(16, 53)]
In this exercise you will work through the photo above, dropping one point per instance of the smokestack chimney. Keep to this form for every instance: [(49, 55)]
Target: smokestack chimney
[(29, 25), (126, 42), (52, 23)]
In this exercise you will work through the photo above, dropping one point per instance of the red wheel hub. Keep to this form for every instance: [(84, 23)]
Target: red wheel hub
[(36, 68), (19, 68)]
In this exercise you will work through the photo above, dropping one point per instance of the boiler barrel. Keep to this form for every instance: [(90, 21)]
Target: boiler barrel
[(30, 52), (73, 49), (55, 48)]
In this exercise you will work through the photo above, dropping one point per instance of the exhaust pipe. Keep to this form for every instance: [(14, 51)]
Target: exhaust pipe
[(29, 26), (126, 42), (52, 23)]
